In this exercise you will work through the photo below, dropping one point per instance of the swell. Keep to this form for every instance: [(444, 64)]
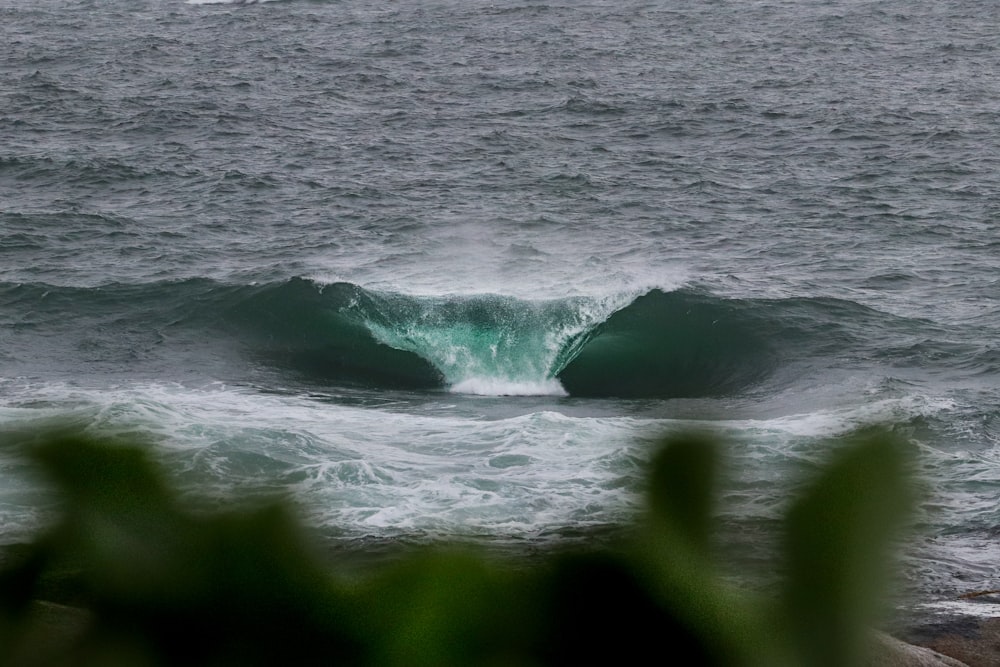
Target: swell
[(323, 334), (676, 344), (657, 344)]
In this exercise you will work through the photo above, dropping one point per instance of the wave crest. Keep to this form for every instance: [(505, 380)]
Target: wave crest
[(657, 344), (654, 344)]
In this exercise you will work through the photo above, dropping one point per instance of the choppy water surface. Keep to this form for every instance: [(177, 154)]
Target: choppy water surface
[(449, 269)]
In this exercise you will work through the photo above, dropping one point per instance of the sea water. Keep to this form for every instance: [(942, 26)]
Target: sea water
[(449, 270)]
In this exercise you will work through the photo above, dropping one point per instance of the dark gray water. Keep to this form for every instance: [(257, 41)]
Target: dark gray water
[(448, 268)]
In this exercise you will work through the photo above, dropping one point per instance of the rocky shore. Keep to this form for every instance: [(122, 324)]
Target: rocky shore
[(960, 644)]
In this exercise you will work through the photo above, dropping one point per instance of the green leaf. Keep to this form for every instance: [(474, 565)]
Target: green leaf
[(838, 542), (682, 490)]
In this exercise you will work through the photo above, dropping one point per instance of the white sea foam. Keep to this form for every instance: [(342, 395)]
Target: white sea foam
[(972, 608), (357, 470), (501, 387)]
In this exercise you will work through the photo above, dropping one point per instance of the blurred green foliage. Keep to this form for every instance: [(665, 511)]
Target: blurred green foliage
[(148, 582)]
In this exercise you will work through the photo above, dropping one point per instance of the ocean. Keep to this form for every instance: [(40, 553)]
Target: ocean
[(448, 271)]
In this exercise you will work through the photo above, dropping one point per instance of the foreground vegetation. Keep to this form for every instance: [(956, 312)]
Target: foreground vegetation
[(157, 584)]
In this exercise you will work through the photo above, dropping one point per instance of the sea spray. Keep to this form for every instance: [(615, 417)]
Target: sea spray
[(489, 344)]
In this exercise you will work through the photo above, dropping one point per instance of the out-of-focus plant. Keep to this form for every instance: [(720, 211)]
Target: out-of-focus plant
[(153, 583)]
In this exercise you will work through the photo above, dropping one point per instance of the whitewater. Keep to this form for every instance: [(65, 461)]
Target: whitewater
[(451, 270)]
